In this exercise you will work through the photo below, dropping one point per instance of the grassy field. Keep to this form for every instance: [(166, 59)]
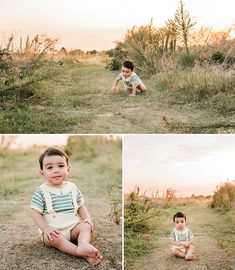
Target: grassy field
[(78, 100), (214, 241), (21, 248)]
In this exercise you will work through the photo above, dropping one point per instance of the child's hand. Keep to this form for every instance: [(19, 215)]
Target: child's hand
[(186, 244), (114, 89), (88, 221), (50, 233)]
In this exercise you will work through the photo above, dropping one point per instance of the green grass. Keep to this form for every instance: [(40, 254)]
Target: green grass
[(78, 100)]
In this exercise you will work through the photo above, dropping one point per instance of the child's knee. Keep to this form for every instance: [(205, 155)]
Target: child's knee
[(144, 88), (174, 251), (86, 226)]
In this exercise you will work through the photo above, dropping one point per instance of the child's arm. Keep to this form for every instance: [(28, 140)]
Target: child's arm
[(114, 88), (41, 223), (188, 243), (84, 214)]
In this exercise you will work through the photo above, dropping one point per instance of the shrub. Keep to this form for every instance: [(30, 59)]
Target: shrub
[(187, 60), (113, 64), (118, 54), (21, 78), (217, 57), (138, 213), (224, 197), (87, 148)]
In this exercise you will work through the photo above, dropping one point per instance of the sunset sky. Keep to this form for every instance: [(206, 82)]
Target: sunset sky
[(97, 24), (24, 141), (187, 163)]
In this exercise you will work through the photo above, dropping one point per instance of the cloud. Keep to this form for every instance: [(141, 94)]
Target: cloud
[(196, 148)]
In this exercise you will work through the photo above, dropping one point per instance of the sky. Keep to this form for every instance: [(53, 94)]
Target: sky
[(24, 141), (191, 164), (91, 24)]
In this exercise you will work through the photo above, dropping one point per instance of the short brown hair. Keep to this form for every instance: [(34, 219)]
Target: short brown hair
[(128, 64), (179, 215), (52, 152)]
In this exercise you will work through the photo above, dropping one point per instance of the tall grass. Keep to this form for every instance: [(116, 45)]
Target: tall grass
[(193, 85)]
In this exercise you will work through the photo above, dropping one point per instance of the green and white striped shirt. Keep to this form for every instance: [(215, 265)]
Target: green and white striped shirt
[(129, 82), (62, 201), (181, 236)]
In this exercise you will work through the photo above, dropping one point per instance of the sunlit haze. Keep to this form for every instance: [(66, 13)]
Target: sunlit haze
[(191, 164), (28, 140), (97, 24)]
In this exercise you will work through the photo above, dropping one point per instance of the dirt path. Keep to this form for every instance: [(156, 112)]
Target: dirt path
[(211, 254)]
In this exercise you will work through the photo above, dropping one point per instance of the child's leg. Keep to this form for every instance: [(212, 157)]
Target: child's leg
[(189, 254), (142, 87), (177, 252), (82, 234), (64, 245)]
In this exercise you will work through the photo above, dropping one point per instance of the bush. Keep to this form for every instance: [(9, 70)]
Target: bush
[(217, 57), (113, 64), (21, 78), (138, 213), (187, 60), (118, 54), (224, 197), (87, 148)]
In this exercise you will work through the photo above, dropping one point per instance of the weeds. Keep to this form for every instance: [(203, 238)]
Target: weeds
[(116, 205)]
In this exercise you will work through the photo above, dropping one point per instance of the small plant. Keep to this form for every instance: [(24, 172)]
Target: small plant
[(116, 205)]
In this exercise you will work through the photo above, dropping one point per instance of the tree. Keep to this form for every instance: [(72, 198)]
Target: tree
[(182, 23)]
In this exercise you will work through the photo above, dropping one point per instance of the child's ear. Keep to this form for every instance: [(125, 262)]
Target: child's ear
[(41, 173), (69, 167)]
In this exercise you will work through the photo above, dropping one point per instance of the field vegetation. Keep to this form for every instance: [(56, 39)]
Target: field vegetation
[(148, 223), (188, 70)]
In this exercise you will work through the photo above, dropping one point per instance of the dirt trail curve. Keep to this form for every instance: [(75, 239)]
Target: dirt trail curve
[(210, 255)]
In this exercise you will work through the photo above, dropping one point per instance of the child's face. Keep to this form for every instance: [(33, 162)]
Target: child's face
[(126, 72), (55, 169), (180, 223)]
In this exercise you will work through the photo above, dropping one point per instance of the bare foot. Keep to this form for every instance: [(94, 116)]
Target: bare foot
[(190, 257), (86, 250), (92, 261), (132, 95), (90, 253)]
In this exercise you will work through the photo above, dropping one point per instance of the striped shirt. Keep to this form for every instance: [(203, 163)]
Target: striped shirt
[(129, 82), (62, 201), (181, 236)]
